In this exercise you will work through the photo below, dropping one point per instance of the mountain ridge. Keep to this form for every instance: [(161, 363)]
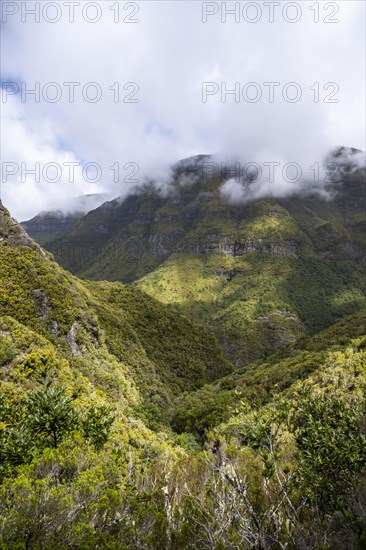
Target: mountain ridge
[(154, 435), (104, 321), (241, 268)]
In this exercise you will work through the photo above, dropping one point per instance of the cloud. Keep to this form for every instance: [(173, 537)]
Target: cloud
[(169, 54), (45, 175)]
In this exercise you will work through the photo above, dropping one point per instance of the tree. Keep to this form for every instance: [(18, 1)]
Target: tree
[(331, 450), (97, 425), (51, 415)]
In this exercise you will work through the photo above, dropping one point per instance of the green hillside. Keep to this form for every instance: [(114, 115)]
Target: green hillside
[(48, 226), (123, 425), (262, 274), (119, 336), (262, 382)]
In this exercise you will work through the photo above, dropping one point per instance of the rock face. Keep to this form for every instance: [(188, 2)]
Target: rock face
[(71, 338), (13, 234), (48, 226), (123, 240), (235, 266)]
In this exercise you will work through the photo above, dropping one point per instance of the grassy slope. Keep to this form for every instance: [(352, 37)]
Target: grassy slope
[(327, 360), (261, 275), (120, 342), (128, 350)]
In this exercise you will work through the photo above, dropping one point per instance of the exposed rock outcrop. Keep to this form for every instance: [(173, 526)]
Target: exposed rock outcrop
[(13, 234)]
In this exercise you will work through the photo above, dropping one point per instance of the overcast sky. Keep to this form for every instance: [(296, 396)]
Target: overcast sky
[(168, 53)]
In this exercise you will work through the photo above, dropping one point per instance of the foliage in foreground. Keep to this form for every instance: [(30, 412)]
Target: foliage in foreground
[(271, 456), (291, 474)]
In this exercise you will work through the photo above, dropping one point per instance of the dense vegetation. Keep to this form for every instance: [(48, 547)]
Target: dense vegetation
[(288, 473), (124, 425), (261, 274)]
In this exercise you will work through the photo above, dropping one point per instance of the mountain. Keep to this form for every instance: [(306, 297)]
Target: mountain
[(320, 357), (101, 328), (262, 274), (49, 225), (123, 424)]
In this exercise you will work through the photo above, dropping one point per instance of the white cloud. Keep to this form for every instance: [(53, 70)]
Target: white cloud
[(169, 54)]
